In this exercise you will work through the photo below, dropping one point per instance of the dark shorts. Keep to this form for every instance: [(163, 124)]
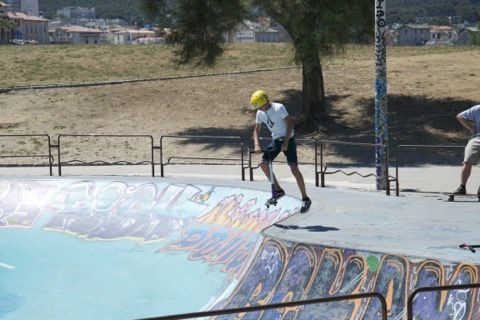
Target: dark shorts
[(274, 148)]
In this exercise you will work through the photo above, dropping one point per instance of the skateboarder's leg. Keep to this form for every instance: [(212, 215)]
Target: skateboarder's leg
[(466, 171), (265, 168), (270, 153), (472, 156), (300, 182)]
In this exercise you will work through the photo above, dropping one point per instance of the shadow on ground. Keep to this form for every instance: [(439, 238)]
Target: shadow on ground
[(413, 120)]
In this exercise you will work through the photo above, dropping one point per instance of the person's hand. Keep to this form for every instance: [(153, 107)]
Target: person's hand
[(284, 146)]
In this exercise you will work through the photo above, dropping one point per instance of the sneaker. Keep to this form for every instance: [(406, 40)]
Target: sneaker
[(306, 203), (279, 193), (460, 190)]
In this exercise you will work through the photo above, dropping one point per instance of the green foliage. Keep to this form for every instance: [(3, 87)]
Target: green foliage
[(475, 38), (6, 24), (201, 25), (322, 26)]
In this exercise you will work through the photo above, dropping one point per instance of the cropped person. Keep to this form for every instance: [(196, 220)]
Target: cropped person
[(470, 119)]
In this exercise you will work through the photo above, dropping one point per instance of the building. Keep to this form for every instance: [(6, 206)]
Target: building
[(76, 35), (14, 5), (126, 36), (282, 33), (29, 28), (262, 31), (266, 35), (411, 34), (442, 35), (27, 6), (244, 32), (3, 9), (75, 15)]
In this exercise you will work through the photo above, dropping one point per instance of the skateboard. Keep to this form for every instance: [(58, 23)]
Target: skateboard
[(451, 197), (271, 202)]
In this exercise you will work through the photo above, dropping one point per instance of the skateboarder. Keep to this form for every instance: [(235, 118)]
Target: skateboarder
[(470, 119), (280, 123)]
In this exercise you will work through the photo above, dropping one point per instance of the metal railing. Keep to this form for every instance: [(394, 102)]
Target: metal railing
[(277, 306), (398, 148), (149, 137), (324, 167), (237, 139), (415, 292), (49, 149), (321, 168)]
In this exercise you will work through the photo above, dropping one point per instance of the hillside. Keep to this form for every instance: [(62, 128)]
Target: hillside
[(427, 87), (398, 10), (125, 9), (406, 10)]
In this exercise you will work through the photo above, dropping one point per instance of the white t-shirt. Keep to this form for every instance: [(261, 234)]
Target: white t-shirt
[(473, 114), (273, 118)]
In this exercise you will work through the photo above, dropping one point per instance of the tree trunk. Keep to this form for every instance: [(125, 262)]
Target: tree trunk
[(313, 89), (312, 78)]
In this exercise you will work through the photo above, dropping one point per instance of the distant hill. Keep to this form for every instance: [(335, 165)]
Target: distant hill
[(406, 10), (397, 10), (125, 9)]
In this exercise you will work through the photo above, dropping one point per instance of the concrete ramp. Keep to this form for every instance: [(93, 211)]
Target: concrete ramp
[(286, 271), (126, 248), (134, 248)]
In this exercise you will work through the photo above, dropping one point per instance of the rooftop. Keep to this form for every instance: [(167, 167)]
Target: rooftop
[(25, 16)]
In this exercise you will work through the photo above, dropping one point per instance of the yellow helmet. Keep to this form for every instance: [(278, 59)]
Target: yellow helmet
[(258, 99)]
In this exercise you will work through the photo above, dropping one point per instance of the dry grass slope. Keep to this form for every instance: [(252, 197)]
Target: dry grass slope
[(427, 87)]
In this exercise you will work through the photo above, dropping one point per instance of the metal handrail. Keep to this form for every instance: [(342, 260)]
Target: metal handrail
[(152, 161), (50, 158), (323, 167), (278, 305), (162, 138), (412, 296), (420, 146)]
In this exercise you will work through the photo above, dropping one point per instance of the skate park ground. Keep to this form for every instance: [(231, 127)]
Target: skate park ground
[(348, 214), (420, 222)]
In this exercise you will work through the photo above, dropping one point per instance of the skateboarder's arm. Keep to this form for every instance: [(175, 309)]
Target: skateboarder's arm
[(256, 141), (469, 125), (289, 121)]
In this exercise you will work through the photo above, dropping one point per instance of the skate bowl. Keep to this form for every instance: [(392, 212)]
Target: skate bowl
[(124, 249), (128, 248)]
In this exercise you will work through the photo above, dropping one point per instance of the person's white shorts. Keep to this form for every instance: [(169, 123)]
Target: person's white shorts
[(472, 151)]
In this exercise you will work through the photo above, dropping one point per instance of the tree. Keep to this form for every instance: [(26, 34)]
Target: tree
[(317, 28), (6, 29)]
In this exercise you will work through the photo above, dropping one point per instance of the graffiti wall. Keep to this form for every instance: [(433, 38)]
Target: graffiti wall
[(285, 271), (134, 237)]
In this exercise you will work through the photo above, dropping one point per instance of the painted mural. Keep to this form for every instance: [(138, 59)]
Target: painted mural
[(286, 271), (216, 229)]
